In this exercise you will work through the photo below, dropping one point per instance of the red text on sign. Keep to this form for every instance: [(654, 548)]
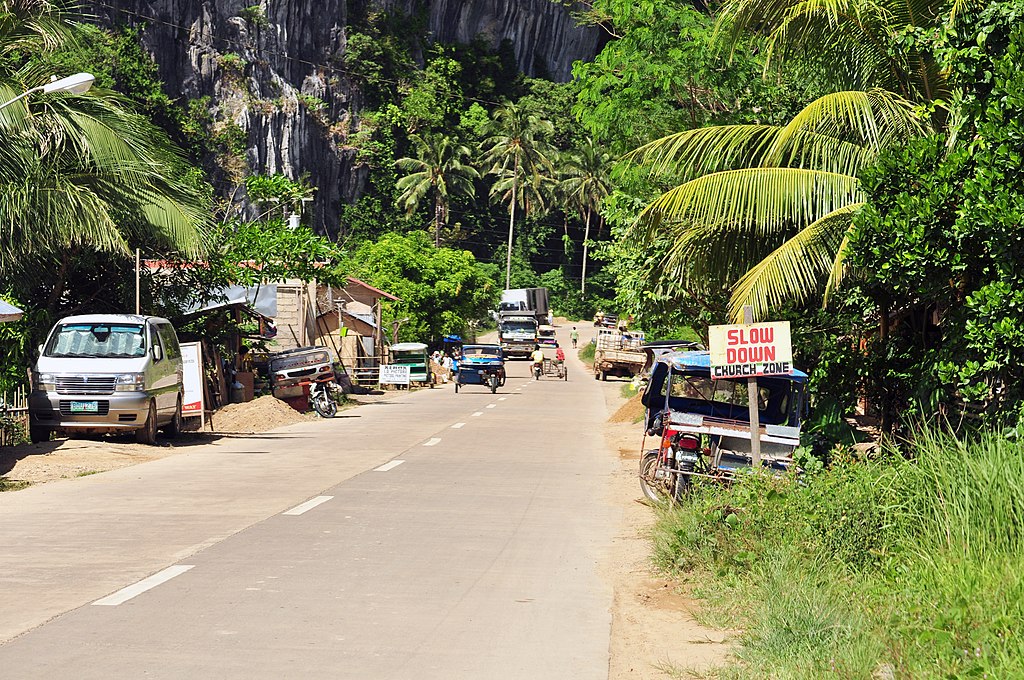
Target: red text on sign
[(747, 355), (750, 336)]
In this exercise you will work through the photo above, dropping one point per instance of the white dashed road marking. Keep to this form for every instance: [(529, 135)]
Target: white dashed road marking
[(308, 505), (433, 441), (491, 405), (142, 586), (478, 413), (458, 426), (389, 466), (502, 398)]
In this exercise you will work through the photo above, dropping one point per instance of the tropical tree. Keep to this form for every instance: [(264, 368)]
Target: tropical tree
[(441, 290), (586, 183), (517, 151), (439, 171), (852, 44), (779, 197), (783, 197), (81, 170)]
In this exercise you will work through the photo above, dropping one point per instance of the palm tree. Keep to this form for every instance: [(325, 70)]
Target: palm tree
[(781, 197), (83, 170), (850, 40), (586, 183), (517, 152), (439, 170)]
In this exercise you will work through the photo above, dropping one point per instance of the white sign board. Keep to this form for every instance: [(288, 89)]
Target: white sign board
[(192, 379), (394, 374), (750, 350)]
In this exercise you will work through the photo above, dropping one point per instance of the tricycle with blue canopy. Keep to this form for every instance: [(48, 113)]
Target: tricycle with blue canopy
[(703, 424), (481, 365)]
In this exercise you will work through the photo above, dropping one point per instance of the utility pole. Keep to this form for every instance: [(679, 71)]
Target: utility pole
[(138, 268)]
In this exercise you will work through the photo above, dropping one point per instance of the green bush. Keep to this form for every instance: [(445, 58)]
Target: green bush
[(586, 354), (912, 565)]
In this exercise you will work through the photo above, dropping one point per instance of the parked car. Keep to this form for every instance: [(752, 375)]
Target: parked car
[(291, 369), (104, 373)]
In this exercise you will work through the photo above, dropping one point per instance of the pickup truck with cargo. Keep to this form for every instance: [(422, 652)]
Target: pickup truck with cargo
[(618, 353)]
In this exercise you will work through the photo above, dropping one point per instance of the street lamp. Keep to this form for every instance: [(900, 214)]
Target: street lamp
[(76, 84)]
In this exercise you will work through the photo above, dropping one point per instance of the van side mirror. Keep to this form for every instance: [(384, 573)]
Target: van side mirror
[(158, 352), (40, 350)]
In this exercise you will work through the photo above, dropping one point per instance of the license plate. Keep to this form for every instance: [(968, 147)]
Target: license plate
[(85, 407)]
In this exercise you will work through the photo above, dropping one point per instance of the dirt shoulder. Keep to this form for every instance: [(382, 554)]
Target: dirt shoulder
[(67, 458), (654, 632)]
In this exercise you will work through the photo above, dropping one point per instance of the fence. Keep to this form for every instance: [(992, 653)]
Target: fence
[(13, 417)]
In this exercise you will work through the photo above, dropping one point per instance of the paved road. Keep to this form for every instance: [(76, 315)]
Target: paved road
[(433, 535)]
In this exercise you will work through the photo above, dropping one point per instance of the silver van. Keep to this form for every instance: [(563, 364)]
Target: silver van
[(102, 373)]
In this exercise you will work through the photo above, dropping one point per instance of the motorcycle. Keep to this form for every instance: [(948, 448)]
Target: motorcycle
[(537, 368), (321, 398), (665, 471)]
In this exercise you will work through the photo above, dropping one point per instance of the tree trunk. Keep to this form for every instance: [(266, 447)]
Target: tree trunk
[(437, 223), (511, 222), (886, 415), (586, 236)]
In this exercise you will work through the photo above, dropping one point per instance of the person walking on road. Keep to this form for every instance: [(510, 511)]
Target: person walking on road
[(574, 336)]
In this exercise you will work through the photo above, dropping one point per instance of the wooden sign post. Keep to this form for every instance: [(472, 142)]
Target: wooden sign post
[(755, 417)]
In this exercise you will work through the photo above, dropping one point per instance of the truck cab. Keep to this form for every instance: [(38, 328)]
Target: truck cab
[(517, 335)]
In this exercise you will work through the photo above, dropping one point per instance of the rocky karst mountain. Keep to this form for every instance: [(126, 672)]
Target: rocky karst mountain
[(272, 72)]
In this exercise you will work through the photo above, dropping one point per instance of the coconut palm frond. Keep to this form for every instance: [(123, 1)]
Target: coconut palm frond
[(714, 256), (697, 152), (852, 40), (871, 118), (703, 151), (765, 198), (175, 223), (794, 270), (839, 270), (32, 27)]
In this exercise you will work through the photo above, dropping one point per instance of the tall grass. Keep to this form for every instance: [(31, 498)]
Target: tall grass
[(586, 353), (889, 568)]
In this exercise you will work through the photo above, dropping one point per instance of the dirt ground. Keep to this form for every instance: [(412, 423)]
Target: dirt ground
[(259, 415), (654, 634), (66, 458)]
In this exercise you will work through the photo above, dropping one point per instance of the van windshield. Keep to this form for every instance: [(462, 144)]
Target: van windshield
[(97, 340)]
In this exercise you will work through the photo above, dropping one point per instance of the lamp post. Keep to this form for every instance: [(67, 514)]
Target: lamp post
[(76, 84)]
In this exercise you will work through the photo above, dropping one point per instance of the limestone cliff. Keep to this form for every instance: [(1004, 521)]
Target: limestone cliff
[(271, 73), (543, 33)]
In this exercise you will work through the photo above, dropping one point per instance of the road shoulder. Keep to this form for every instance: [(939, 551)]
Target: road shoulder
[(655, 635)]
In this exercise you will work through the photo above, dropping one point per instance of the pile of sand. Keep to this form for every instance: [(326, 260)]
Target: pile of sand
[(258, 415), (630, 412)]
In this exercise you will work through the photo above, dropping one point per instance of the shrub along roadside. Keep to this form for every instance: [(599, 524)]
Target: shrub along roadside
[(890, 567), (586, 353)]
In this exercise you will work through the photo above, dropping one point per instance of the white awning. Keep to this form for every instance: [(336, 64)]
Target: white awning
[(9, 312)]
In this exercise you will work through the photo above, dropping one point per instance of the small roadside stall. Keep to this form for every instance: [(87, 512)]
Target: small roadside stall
[(16, 405), (9, 312), (451, 345), (414, 356)]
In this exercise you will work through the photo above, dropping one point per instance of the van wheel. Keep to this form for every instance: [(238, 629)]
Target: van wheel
[(172, 428), (147, 433), (37, 434)]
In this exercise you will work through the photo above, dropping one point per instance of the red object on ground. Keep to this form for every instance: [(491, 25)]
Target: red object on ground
[(301, 402)]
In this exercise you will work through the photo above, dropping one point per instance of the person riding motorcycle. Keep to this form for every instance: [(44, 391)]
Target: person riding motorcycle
[(538, 360)]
